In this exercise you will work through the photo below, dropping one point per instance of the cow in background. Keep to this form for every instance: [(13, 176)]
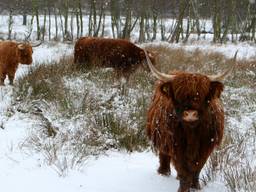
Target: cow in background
[(11, 54), (185, 122), (121, 55)]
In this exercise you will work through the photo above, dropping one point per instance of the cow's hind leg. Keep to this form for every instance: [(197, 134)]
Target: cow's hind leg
[(164, 168)]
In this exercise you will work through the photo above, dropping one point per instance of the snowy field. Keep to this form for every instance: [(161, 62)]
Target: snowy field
[(115, 171)]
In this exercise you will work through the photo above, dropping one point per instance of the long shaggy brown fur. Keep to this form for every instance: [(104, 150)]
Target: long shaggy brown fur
[(186, 144), (121, 55), (11, 54)]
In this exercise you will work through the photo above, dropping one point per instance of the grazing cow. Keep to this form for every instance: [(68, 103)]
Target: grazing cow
[(121, 55), (11, 54), (185, 122)]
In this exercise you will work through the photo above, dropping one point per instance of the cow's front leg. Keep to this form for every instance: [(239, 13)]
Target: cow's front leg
[(164, 168), (195, 181)]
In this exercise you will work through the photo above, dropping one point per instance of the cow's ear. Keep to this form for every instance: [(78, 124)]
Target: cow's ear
[(166, 89), (216, 89), (21, 46)]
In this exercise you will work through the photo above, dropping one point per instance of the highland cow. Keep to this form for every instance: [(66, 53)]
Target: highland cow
[(11, 54), (185, 122), (121, 55)]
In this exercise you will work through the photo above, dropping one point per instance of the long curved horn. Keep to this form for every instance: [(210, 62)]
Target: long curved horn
[(156, 73), (221, 77), (36, 45)]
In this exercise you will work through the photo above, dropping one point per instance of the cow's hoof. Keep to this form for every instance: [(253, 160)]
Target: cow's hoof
[(181, 189), (196, 186), (185, 186), (164, 172)]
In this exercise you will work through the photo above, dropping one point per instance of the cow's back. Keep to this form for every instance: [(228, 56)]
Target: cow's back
[(116, 53)]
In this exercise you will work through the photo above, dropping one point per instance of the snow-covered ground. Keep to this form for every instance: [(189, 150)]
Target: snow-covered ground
[(112, 172)]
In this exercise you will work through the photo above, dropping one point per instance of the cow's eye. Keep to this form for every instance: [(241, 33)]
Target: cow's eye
[(165, 89)]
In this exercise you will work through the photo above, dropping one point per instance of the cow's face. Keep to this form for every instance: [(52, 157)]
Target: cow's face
[(25, 53), (191, 95)]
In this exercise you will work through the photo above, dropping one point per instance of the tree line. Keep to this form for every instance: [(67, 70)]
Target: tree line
[(231, 20)]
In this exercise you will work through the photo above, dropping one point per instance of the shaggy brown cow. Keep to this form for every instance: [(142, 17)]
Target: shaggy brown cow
[(121, 55), (11, 54), (185, 122)]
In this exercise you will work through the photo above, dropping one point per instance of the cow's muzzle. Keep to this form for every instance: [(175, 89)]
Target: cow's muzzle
[(190, 116)]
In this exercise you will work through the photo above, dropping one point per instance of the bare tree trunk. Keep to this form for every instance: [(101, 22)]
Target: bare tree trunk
[(154, 26), (103, 26), (77, 25), (142, 27), (91, 17), (10, 24), (216, 21), (30, 28), (163, 30), (81, 17), (36, 13), (115, 18), (56, 23), (148, 28), (44, 26), (66, 14), (49, 22), (129, 26), (61, 25), (233, 20), (126, 29), (72, 27), (24, 19), (77, 20), (194, 4), (96, 18), (252, 24), (188, 23), (98, 25), (178, 31)]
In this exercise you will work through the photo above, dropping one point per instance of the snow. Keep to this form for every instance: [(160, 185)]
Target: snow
[(113, 172), (245, 50), (116, 171)]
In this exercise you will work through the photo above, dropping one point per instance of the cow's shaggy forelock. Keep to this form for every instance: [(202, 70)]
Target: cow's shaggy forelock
[(190, 87)]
